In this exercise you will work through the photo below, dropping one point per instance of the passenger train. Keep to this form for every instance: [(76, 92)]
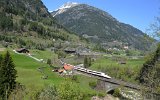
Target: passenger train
[(82, 69), (96, 73)]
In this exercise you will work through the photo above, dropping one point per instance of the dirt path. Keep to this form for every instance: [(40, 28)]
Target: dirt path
[(39, 60)]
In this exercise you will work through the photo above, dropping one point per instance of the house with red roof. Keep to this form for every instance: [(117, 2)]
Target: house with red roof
[(68, 67)]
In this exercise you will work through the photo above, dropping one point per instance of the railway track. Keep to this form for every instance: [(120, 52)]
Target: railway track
[(103, 77), (112, 80)]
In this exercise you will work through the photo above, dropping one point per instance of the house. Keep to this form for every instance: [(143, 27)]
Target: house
[(68, 67), (126, 47), (70, 50), (66, 70), (22, 50), (122, 62)]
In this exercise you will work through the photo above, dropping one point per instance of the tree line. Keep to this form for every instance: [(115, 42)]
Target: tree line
[(150, 72)]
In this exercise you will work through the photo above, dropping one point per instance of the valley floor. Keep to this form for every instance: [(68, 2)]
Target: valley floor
[(35, 80)]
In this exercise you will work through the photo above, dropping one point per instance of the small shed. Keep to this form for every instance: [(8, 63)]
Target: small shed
[(22, 50), (122, 62), (70, 50)]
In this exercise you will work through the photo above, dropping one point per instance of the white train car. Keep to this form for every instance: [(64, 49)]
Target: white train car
[(80, 69), (96, 73), (105, 76), (89, 71)]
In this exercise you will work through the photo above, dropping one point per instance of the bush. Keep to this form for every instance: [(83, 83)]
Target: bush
[(149, 73), (93, 84), (18, 93), (75, 78), (49, 62), (6, 22), (48, 93), (117, 93), (101, 94), (69, 91), (61, 54)]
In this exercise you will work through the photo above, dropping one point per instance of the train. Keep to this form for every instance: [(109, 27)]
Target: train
[(95, 73), (82, 69)]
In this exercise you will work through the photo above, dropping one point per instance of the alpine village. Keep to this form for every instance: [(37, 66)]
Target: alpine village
[(77, 52)]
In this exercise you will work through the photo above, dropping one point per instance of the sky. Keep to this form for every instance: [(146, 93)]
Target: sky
[(138, 13)]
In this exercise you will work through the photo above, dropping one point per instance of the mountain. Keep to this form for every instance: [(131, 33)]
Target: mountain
[(27, 23), (64, 7), (99, 26)]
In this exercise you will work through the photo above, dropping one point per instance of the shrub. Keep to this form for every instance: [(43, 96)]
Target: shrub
[(101, 94), (93, 84), (48, 93), (69, 91), (18, 93), (75, 78), (61, 54), (117, 93), (49, 62)]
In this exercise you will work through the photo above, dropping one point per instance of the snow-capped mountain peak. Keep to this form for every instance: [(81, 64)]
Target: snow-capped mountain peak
[(68, 5), (64, 7)]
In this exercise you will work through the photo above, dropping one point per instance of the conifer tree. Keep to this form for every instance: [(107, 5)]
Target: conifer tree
[(49, 62), (1, 85), (7, 75), (87, 62), (0, 60)]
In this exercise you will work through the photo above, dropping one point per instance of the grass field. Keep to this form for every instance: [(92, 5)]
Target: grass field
[(109, 62), (43, 54), (29, 76), (113, 66), (126, 72)]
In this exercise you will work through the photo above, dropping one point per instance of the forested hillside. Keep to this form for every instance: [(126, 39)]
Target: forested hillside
[(28, 23)]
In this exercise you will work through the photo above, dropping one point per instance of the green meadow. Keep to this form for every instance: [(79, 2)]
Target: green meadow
[(114, 68), (110, 62), (43, 54), (29, 75)]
